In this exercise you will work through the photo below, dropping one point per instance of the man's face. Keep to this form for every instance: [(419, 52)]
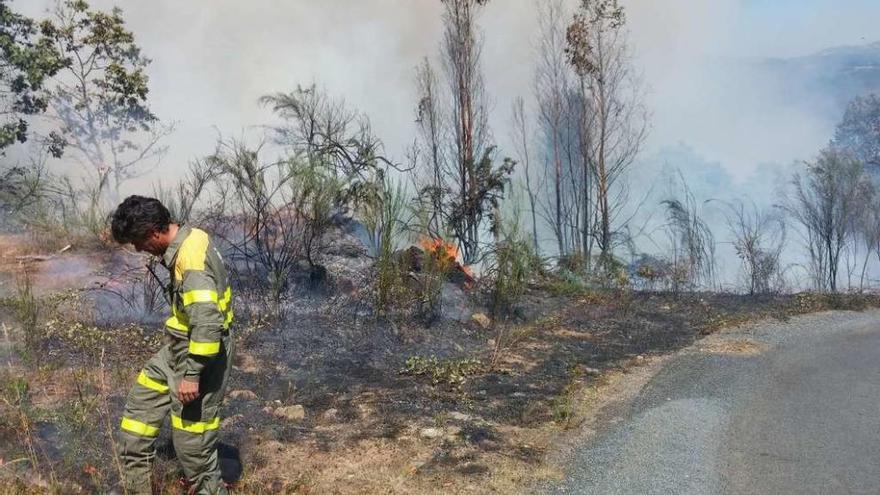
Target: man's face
[(152, 244)]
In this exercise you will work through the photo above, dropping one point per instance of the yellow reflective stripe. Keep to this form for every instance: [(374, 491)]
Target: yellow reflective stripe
[(227, 297), (151, 384), (139, 428), (200, 295), (204, 348), (175, 323), (178, 320), (194, 426)]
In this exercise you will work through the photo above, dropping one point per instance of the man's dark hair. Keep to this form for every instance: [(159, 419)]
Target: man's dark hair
[(137, 217)]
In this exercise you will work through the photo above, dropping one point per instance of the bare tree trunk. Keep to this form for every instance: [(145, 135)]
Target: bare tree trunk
[(519, 120), (551, 87), (429, 121)]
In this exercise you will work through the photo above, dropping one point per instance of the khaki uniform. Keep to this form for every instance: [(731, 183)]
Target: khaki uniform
[(198, 345)]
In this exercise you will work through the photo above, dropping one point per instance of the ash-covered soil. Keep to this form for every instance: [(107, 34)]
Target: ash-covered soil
[(349, 402)]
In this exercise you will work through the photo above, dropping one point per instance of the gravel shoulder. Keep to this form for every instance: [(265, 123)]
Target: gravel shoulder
[(771, 407)]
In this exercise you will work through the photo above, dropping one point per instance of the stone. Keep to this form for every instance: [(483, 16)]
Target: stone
[(345, 286), (459, 416), (291, 413), (452, 439), (243, 394), (482, 320), (455, 305), (348, 238), (365, 410), (330, 415), (245, 363), (431, 433), (231, 421)]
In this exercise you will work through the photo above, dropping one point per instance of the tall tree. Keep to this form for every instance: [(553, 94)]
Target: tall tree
[(552, 89), (100, 98), (26, 62), (869, 230), (472, 184), (522, 137), (859, 131), (430, 121), (827, 199), (461, 59), (613, 118)]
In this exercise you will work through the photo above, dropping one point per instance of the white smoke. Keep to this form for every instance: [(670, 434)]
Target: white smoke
[(213, 59)]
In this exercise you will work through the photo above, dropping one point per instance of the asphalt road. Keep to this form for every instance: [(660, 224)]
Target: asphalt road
[(801, 416)]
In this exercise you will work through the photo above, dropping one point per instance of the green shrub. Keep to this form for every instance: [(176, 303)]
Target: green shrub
[(383, 216), (565, 283), (514, 263), (450, 372)]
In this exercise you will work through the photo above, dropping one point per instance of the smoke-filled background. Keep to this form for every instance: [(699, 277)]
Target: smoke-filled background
[(741, 82), (738, 91)]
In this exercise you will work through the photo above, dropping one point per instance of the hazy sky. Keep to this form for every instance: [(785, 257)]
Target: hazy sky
[(212, 59)]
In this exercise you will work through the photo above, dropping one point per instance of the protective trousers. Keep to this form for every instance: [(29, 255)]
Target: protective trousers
[(194, 426)]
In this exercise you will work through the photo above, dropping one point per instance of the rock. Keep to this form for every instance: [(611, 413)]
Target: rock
[(231, 421), (455, 305), (245, 363), (345, 286), (452, 439), (431, 433), (459, 416), (365, 410), (482, 320), (242, 394), (291, 413), (349, 238), (347, 275), (330, 415)]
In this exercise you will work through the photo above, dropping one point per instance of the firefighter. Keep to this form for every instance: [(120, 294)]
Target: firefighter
[(187, 377)]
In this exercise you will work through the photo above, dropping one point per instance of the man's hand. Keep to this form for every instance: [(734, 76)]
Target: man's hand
[(188, 390)]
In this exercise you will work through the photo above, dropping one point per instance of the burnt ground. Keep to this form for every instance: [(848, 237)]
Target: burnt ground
[(478, 418)]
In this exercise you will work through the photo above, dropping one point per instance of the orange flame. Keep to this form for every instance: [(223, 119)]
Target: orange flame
[(444, 251)]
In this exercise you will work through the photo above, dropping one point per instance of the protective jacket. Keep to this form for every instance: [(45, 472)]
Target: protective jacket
[(198, 346), (200, 297)]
